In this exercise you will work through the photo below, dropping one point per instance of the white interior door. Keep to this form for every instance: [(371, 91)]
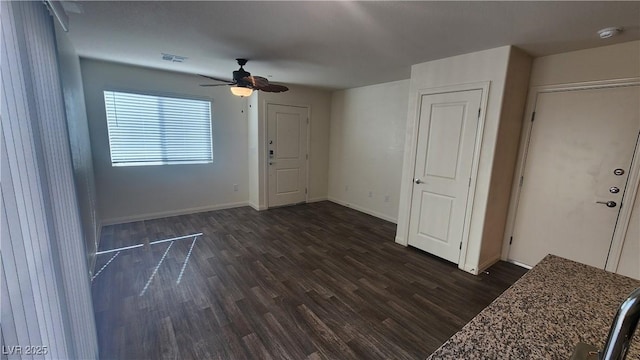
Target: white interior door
[(287, 154), (446, 140), (578, 139)]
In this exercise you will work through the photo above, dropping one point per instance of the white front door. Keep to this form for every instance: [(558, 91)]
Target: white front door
[(446, 141), (578, 140), (287, 154)]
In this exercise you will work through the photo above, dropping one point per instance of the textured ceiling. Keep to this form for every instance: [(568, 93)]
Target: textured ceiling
[(334, 44)]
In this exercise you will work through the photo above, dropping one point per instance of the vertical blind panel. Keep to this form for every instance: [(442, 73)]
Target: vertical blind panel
[(156, 130), (57, 183), (29, 255)]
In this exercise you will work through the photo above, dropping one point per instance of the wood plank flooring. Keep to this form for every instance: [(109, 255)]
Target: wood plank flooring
[(313, 281)]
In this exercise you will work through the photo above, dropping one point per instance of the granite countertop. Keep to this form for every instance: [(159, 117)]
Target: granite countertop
[(545, 314)]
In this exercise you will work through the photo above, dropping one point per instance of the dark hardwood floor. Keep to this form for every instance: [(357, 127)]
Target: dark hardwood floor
[(314, 281)]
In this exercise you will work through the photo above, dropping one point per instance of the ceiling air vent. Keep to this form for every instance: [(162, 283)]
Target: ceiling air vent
[(173, 58)]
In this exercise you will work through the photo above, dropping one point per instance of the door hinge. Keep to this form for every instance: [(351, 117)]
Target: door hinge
[(510, 240), (533, 116), (521, 180), (307, 156), (305, 190), (307, 120), (479, 110), (460, 245)]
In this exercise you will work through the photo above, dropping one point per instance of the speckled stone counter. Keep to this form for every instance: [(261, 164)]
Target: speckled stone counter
[(545, 314)]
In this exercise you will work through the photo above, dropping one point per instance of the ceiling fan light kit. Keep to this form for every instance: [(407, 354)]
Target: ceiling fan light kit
[(243, 83), (241, 91)]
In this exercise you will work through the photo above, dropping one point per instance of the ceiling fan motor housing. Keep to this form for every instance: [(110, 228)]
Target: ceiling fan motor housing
[(239, 75)]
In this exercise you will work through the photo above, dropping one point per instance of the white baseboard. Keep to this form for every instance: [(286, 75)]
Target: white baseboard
[(475, 270), (364, 210), (257, 207), (260, 208), (163, 214), (529, 267)]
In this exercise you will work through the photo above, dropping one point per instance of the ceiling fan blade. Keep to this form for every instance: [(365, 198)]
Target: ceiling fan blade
[(273, 88), (218, 79), (208, 85), (257, 82)]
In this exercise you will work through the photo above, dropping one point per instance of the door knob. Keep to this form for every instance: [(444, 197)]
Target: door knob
[(609, 203), (418, 181)]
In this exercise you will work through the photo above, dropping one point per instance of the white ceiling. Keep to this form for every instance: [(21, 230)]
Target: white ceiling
[(334, 44)]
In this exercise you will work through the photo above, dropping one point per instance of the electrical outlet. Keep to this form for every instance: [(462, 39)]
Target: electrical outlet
[(235, 187), (370, 193)]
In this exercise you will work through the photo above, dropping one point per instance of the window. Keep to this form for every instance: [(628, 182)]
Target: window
[(157, 130)]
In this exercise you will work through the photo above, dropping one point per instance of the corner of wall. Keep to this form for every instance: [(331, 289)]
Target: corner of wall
[(367, 133), (256, 207), (479, 263), (408, 159), (514, 96), (401, 241)]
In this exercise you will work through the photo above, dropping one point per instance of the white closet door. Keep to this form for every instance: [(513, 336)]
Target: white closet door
[(446, 140)]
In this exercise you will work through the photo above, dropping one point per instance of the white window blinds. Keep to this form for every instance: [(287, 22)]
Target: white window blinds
[(157, 130)]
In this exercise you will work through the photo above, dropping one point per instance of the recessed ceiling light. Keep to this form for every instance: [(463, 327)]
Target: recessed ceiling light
[(609, 32)]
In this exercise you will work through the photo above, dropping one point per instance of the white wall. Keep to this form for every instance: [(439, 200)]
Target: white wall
[(78, 126), (253, 114), (488, 65), (629, 264), (603, 63), (366, 147), (319, 103), (618, 61), (142, 192)]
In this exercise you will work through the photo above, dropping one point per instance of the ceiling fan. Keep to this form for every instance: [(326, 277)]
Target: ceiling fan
[(244, 83)]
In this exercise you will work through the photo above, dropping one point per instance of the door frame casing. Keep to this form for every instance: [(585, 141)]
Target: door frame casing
[(484, 87), (265, 146), (633, 181)]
